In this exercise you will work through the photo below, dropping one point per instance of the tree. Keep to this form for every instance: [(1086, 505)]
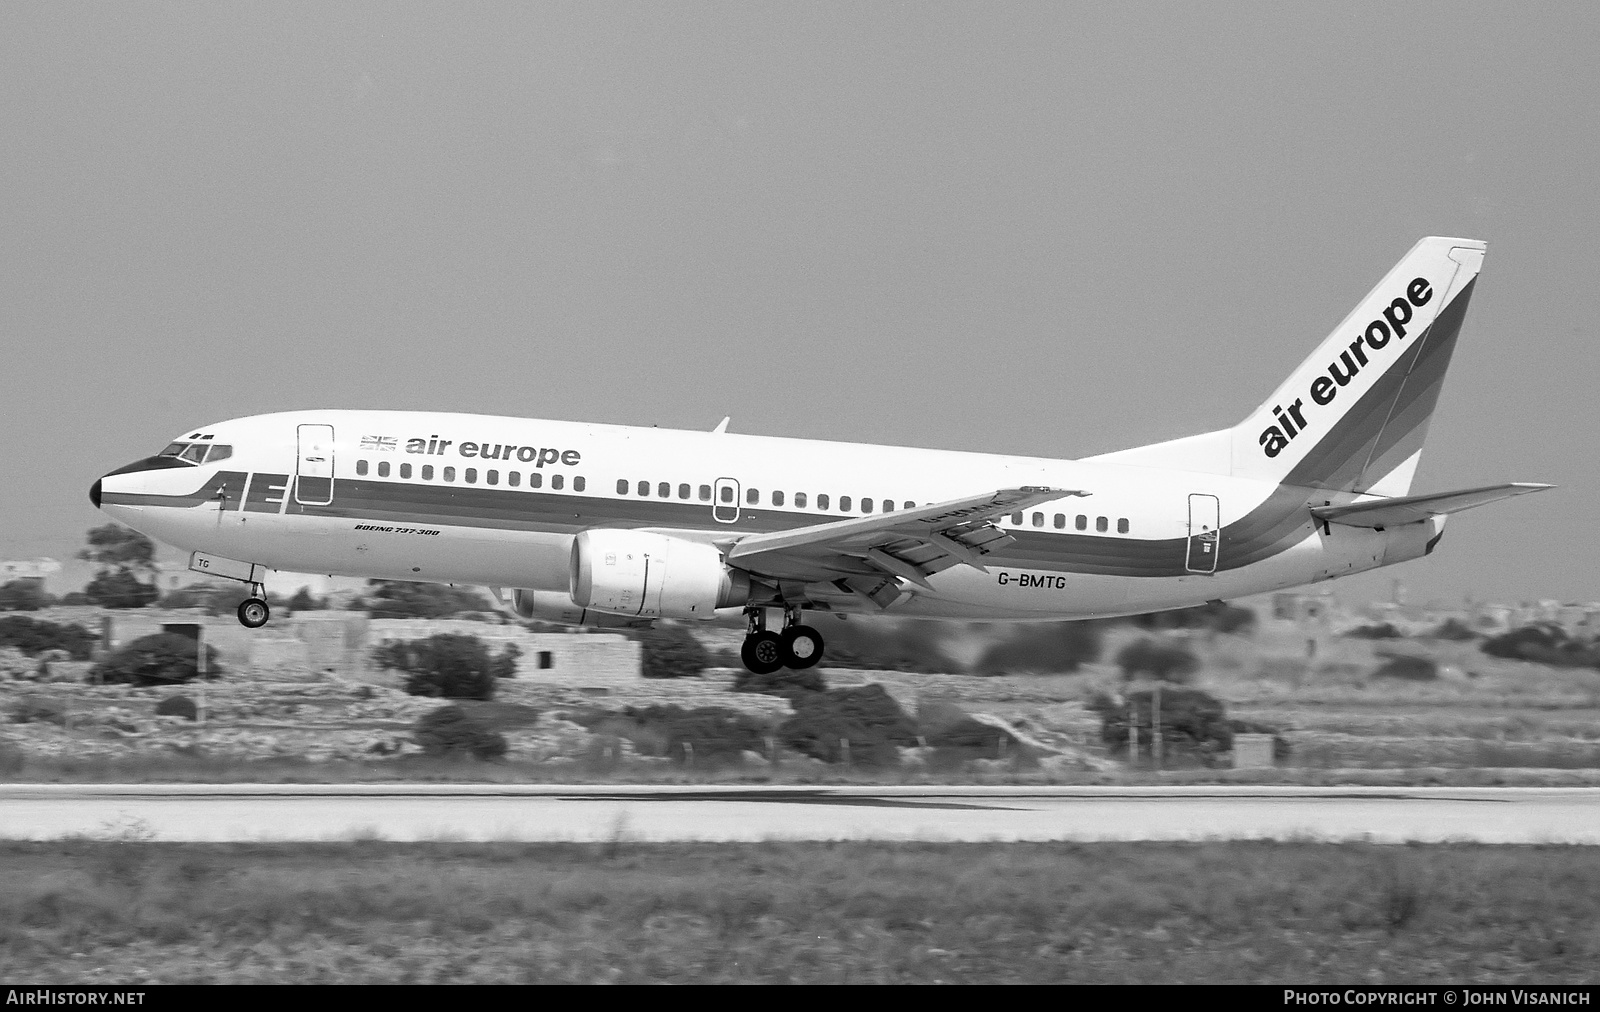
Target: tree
[(34, 637), (1046, 647), (399, 599), (303, 601), (867, 718), (1167, 662), (451, 731), (449, 665), (122, 555), (671, 651), (161, 659), (23, 595)]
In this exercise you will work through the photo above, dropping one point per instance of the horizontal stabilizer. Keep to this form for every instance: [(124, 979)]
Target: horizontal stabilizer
[(1383, 513)]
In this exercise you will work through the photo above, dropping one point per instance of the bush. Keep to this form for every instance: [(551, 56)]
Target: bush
[(1546, 644), (782, 682), (399, 599), (1454, 629), (119, 588), (24, 595), (1380, 631), (451, 731), (38, 709), (876, 646), (161, 659), (178, 706), (214, 600), (1166, 662), (959, 736), (1407, 666), (34, 637), (671, 651), (447, 665), (713, 734), (1051, 648), (1217, 616), (504, 663), (303, 601), (867, 717), (1194, 724)]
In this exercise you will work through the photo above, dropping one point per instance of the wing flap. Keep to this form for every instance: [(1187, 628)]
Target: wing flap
[(1381, 513), (906, 544)]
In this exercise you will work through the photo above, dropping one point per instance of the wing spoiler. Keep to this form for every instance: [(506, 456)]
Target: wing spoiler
[(1381, 513)]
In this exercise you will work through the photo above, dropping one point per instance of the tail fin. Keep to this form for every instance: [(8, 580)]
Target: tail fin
[(1353, 416)]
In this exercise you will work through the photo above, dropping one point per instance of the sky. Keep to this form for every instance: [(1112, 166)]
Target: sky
[(1053, 229)]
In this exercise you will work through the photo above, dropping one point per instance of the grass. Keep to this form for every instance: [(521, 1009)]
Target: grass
[(133, 911)]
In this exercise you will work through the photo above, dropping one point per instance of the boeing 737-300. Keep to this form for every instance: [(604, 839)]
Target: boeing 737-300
[(610, 525)]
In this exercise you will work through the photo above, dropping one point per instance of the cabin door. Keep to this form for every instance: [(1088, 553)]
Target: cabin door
[(725, 501), (1204, 533), (313, 484)]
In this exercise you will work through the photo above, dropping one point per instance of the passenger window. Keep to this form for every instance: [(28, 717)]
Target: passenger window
[(535, 479), (888, 505), (578, 483), (1100, 524), (1122, 526), (844, 504), (727, 493), (427, 472), (866, 505), (777, 498), (492, 477), (622, 486), (513, 478), (705, 493), (644, 488), (683, 491), (800, 500), (449, 474), (361, 467), (1016, 519), (1082, 523), (1061, 521), (822, 501), (1038, 520), (194, 454), (556, 480), (472, 476), (222, 451), (910, 505), (383, 469), (664, 490), (752, 496), (405, 470)]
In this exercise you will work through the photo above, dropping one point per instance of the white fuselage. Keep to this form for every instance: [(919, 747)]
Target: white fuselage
[(413, 497)]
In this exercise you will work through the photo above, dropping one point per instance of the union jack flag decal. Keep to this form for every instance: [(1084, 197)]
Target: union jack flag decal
[(377, 442)]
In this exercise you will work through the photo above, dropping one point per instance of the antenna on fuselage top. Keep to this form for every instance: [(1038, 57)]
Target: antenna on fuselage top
[(722, 426)]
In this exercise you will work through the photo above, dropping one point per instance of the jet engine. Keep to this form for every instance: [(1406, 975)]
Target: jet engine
[(557, 606), (637, 573)]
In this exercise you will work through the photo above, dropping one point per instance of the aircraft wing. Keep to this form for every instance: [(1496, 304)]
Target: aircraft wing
[(1383, 513), (870, 555)]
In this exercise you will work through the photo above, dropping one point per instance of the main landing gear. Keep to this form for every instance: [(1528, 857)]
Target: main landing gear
[(253, 611), (764, 651)]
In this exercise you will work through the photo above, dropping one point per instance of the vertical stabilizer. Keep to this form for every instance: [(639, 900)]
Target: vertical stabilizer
[(1353, 416)]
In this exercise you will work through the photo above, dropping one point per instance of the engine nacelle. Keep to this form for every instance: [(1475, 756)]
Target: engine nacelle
[(636, 573), (556, 606)]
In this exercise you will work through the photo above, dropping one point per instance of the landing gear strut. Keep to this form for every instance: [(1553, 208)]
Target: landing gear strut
[(764, 651), (253, 611)]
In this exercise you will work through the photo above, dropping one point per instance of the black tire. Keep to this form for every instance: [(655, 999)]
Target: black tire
[(253, 613), (802, 647), (763, 653)]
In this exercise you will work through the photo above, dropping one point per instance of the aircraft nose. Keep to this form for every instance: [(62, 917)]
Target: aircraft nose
[(94, 493)]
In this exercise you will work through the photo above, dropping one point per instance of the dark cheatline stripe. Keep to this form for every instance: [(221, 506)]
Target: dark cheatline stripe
[(1366, 443)]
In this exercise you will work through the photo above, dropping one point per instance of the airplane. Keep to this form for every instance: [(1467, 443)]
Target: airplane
[(618, 526)]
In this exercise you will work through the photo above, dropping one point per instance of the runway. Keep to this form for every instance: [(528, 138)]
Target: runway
[(483, 812)]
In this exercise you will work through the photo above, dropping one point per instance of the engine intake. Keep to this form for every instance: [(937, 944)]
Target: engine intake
[(637, 573)]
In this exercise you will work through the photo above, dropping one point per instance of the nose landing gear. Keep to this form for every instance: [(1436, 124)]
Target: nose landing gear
[(253, 611), (764, 651)]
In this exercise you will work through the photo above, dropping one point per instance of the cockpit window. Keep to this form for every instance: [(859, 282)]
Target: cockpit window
[(195, 453)]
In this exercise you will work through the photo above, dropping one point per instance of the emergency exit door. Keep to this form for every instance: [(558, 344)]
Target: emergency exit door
[(725, 501), (313, 485), (1204, 533)]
